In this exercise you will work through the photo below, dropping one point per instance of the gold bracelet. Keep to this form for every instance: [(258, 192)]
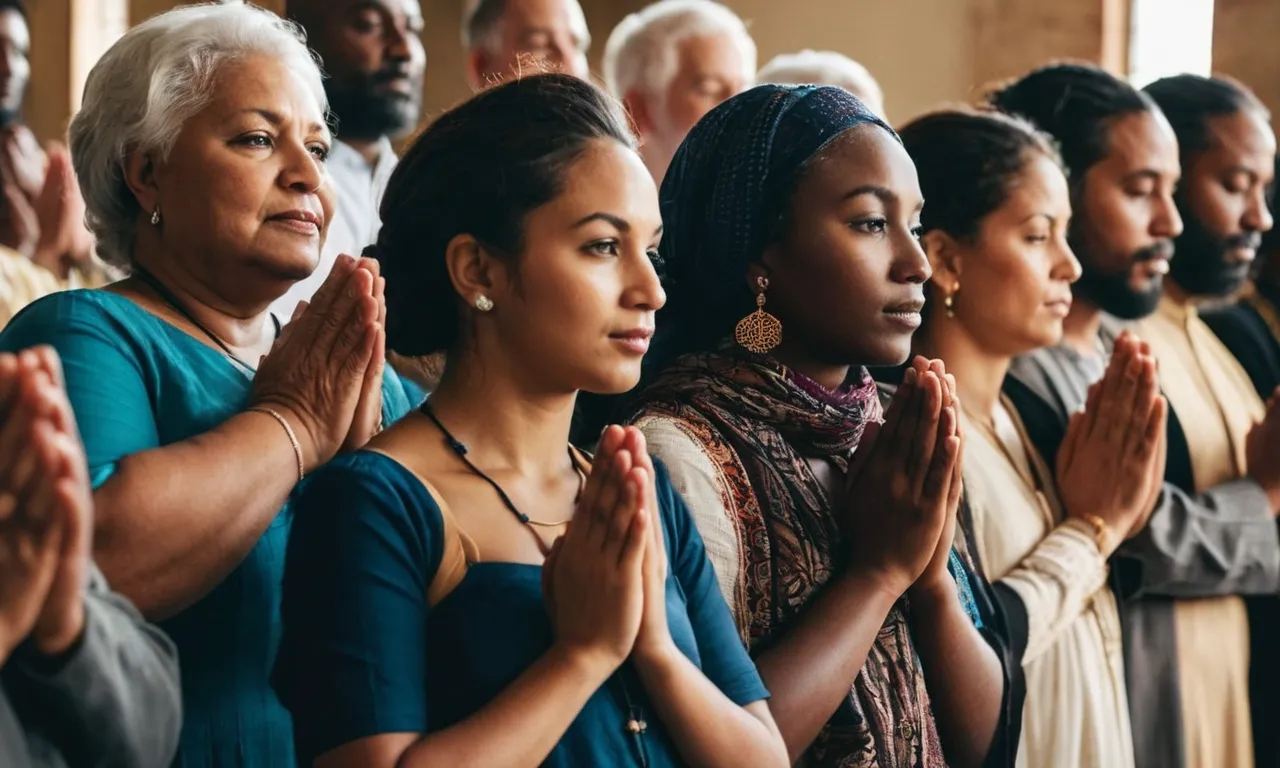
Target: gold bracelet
[(1101, 531), (288, 430)]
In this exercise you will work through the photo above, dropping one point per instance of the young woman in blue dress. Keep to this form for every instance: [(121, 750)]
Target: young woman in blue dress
[(470, 590)]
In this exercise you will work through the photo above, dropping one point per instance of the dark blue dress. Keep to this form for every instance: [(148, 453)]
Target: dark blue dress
[(135, 383), (364, 653)]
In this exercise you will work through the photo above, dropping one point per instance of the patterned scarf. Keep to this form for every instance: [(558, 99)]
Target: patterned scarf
[(762, 424)]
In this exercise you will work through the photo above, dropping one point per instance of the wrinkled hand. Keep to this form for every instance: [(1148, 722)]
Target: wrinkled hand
[(1109, 464), (1262, 451), (317, 371), (593, 578), (900, 484), (367, 421), (937, 574)]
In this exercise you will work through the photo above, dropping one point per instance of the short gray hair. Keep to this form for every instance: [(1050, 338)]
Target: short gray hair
[(642, 50), (146, 86), (824, 68), (480, 23)]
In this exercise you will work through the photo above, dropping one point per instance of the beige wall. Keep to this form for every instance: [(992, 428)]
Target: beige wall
[(924, 52), (1246, 46), (48, 104)]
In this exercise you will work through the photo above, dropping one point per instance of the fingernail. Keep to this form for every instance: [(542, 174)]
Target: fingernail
[(911, 376)]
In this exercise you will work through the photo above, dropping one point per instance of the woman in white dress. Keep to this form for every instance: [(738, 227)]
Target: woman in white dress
[(996, 222)]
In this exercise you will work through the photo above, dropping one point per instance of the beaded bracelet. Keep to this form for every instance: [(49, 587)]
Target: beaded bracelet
[(288, 430)]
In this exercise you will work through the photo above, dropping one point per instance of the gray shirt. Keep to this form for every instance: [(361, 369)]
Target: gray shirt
[(113, 700)]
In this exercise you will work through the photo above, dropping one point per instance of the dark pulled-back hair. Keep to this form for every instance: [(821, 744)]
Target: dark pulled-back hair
[(479, 170), (14, 5), (968, 161), (1075, 104), (1190, 101)]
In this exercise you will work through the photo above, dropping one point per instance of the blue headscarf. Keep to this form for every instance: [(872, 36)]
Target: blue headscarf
[(725, 197)]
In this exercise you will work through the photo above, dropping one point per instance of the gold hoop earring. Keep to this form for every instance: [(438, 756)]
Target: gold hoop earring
[(759, 332), (950, 301)]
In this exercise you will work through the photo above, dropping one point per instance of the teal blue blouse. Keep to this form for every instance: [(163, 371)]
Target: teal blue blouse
[(365, 654), (136, 383)]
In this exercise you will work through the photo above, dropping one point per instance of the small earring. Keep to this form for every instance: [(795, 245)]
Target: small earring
[(155, 216), (759, 332), (484, 303), (950, 301)]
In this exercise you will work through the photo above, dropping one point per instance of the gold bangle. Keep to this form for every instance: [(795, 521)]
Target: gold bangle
[(288, 430), (1101, 531)]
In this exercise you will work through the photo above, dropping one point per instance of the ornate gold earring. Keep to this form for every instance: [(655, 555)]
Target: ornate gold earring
[(950, 301), (759, 332), (155, 216)]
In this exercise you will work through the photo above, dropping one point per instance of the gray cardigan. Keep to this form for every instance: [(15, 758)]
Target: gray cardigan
[(113, 700)]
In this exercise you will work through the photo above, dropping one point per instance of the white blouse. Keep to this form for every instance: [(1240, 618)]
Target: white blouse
[(1076, 711)]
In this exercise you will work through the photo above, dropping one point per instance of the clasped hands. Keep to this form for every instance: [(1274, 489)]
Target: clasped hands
[(604, 580), (46, 510)]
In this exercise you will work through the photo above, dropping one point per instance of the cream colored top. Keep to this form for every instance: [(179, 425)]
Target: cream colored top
[(698, 480), (1217, 406), (22, 282), (1076, 712)]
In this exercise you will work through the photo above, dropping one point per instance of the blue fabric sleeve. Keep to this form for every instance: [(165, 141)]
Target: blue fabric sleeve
[(964, 588), (105, 380), (725, 660), (414, 394), (366, 542)]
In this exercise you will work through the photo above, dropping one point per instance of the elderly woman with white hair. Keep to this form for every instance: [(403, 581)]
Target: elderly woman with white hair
[(809, 67), (673, 62), (200, 151)]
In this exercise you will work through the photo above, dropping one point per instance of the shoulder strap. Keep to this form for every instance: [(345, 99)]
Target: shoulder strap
[(457, 553)]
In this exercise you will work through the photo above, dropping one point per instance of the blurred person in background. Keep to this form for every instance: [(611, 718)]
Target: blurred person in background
[(825, 68), (670, 64), (505, 38), (374, 60), (46, 246), (1250, 327)]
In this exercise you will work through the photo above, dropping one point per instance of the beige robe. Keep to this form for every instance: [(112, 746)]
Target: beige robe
[(1076, 712), (1217, 406)]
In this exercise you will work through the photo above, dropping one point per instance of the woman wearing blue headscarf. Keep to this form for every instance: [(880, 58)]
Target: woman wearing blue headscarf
[(791, 261)]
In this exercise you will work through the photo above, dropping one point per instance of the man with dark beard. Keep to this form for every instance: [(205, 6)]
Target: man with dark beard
[(372, 54), (1212, 535), (1228, 154), (1251, 326)]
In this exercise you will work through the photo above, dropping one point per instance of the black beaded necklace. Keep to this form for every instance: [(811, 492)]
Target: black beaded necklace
[(170, 298), (460, 449), (635, 725)]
